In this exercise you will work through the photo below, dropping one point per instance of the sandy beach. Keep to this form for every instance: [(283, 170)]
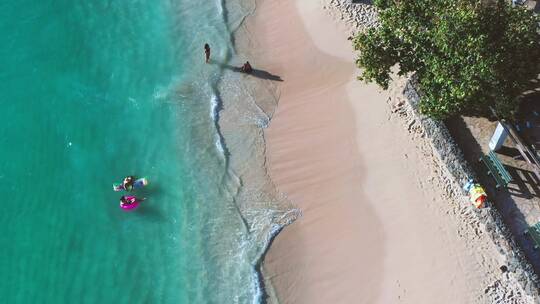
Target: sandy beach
[(377, 225)]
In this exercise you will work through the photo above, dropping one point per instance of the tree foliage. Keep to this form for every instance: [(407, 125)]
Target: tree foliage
[(468, 55)]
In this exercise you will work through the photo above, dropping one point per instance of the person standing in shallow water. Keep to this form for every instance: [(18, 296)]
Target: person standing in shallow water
[(207, 52)]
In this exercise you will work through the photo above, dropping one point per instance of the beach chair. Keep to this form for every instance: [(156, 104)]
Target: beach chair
[(496, 169), (534, 232)]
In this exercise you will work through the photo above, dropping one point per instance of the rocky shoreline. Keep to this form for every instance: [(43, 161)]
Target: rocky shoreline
[(517, 282), (360, 16)]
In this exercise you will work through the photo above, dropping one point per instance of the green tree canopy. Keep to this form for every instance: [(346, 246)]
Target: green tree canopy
[(468, 55)]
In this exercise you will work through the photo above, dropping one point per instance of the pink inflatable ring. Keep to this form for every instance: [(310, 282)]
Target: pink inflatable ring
[(132, 204)]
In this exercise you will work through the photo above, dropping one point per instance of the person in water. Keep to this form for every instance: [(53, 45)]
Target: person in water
[(127, 183), (246, 68), (207, 52), (125, 201)]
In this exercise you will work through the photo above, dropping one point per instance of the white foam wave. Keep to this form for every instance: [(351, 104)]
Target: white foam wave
[(272, 230), (214, 108), (214, 115), (219, 146), (219, 6)]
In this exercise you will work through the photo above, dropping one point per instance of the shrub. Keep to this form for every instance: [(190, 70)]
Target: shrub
[(469, 55)]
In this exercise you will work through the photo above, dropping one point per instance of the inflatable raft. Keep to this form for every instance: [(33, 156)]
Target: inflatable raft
[(132, 203), (137, 184)]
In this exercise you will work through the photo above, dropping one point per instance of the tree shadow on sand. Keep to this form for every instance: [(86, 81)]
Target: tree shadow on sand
[(255, 73)]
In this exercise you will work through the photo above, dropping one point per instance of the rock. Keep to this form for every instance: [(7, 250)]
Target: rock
[(362, 15)]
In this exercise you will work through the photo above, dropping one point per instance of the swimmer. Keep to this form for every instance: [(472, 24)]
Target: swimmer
[(127, 200), (127, 183)]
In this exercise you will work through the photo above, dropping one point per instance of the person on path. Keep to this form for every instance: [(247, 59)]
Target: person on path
[(207, 52)]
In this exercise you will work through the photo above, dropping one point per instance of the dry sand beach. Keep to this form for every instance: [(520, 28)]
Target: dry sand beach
[(377, 225)]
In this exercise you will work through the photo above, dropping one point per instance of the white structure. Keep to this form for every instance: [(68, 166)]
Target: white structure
[(498, 138)]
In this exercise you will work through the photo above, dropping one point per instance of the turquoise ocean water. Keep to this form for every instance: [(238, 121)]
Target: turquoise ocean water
[(92, 91)]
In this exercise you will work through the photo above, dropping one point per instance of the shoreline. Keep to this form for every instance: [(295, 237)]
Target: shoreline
[(357, 236), (341, 71)]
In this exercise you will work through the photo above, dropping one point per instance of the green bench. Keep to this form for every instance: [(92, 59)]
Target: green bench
[(534, 232), (496, 169)]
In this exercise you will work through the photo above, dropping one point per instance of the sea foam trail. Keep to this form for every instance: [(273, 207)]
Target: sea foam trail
[(215, 106), (238, 121)]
